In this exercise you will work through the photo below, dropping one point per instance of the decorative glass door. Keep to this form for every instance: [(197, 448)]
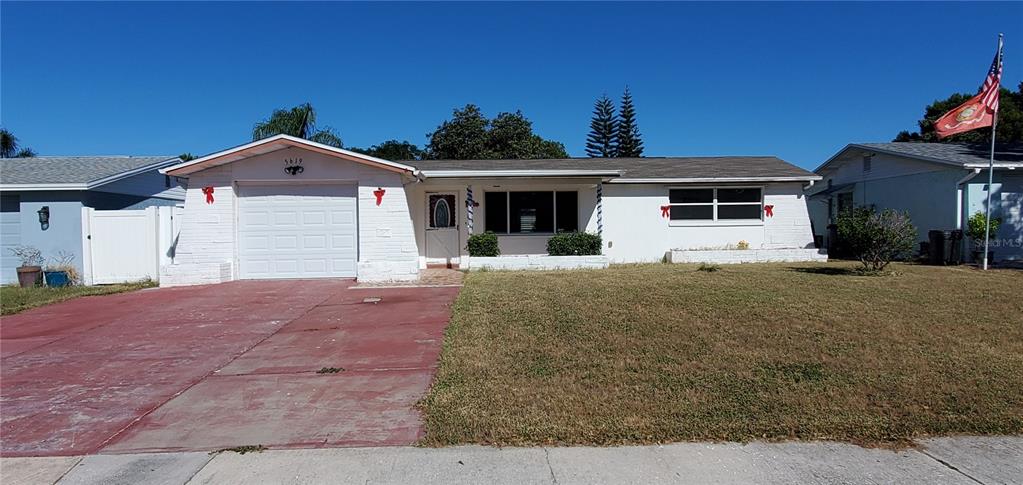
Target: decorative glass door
[(442, 235)]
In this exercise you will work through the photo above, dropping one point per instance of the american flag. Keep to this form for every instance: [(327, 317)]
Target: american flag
[(989, 91)]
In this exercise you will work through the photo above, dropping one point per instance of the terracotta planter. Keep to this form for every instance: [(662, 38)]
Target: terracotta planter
[(28, 275)]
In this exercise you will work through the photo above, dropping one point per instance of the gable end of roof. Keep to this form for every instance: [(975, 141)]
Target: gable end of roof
[(274, 143)]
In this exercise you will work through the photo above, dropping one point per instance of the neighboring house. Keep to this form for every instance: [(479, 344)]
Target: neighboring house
[(939, 184), (285, 207), (60, 187)]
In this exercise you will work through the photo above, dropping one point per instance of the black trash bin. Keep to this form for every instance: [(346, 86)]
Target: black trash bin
[(937, 247), (955, 247), (834, 247)]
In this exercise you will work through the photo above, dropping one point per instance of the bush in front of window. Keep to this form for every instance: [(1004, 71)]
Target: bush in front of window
[(574, 244), (483, 245), (876, 238)]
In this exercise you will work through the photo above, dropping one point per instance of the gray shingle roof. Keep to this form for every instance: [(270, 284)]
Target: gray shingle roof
[(69, 170), (638, 168), (951, 152)]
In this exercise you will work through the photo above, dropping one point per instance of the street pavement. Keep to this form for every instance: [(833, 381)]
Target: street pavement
[(952, 460)]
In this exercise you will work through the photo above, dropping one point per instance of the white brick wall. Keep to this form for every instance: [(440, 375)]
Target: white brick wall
[(748, 256), (207, 230), (194, 274), (635, 231), (537, 262), (790, 225), (387, 244)]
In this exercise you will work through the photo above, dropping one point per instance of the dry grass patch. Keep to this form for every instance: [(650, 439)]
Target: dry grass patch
[(14, 299), (658, 353)]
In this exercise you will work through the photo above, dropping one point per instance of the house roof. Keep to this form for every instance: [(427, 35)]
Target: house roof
[(73, 173), (647, 169), (274, 143), (958, 154), (629, 170)]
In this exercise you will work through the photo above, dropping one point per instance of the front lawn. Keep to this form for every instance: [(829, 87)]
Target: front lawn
[(658, 353), (14, 299)]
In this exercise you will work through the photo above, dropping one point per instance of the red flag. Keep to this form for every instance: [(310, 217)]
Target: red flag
[(980, 110), (968, 116)]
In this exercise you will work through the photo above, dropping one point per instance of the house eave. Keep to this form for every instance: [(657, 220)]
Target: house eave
[(684, 180), (1007, 166), (519, 173), (41, 187)]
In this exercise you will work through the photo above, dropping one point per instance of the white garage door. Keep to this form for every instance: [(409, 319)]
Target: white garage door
[(297, 231)]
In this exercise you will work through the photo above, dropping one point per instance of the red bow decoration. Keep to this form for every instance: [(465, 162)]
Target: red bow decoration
[(208, 190), (665, 210), (769, 210), (379, 192)]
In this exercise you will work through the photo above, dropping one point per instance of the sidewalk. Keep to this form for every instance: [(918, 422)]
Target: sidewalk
[(966, 460)]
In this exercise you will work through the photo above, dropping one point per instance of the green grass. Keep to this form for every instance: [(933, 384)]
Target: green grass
[(14, 299), (660, 353)]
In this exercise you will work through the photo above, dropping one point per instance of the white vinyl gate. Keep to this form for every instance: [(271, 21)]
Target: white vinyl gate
[(128, 245)]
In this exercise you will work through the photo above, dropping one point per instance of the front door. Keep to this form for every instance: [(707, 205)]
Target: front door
[(442, 241)]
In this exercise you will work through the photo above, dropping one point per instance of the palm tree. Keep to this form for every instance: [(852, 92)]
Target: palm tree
[(9, 146), (299, 121)]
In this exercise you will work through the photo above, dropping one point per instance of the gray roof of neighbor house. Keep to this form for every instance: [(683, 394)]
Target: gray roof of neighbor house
[(949, 153), (74, 172), (630, 169)]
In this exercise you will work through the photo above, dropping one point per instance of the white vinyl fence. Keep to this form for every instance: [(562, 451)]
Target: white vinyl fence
[(128, 245)]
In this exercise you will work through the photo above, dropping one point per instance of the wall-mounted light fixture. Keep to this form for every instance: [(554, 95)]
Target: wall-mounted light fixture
[(44, 217)]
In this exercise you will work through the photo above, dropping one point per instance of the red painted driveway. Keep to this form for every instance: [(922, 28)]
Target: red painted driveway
[(205, 368)]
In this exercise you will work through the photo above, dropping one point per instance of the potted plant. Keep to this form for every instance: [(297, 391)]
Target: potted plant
[(61, 271), (29, 271), (975, 229)]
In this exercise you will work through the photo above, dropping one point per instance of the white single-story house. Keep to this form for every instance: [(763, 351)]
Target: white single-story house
[(939, 184), (41, 200), (285, 207)]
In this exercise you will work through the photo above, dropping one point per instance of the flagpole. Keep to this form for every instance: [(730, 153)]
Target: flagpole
[(991, 167)]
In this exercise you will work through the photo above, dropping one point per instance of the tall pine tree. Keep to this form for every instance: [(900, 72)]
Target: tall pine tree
[(603, 138), (629, 142)]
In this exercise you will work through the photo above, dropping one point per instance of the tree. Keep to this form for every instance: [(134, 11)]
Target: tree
[(1010, 120), (9, 146), (393, 150), (876, 238), (185, 157), (463, 137), (630, 144), (603, 138), (300, 122), (469, 135)]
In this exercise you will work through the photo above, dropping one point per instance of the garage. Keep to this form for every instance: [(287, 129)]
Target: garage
[(297, 231), (288, 208)]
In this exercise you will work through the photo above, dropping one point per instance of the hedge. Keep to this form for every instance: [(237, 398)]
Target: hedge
[(574, 244), (483, 245)]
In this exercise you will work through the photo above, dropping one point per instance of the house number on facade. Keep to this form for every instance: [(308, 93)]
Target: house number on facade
[(293, 166)]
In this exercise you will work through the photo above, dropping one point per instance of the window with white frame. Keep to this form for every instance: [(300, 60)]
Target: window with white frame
[(531, 212), (716, 204)]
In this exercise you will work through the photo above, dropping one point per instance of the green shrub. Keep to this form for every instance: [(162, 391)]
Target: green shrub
[(977, 225), (574, 244), (876, 238), (483, 245)]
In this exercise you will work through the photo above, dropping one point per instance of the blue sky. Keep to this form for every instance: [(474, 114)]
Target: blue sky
[(795, 80)]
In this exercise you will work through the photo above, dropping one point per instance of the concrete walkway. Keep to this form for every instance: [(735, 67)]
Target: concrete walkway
[(965, 460)]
